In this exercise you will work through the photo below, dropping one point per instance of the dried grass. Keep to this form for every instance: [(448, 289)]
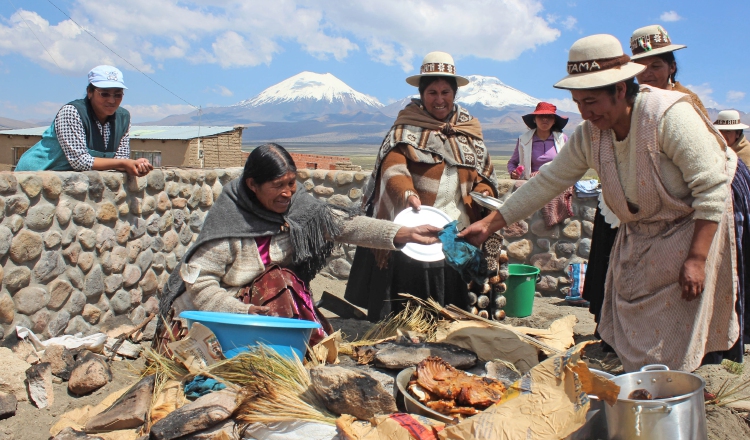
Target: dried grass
[(731, 391), (274, 388)]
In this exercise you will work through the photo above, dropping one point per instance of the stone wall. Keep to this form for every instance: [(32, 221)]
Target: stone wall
[(79, 249), (527, 242)]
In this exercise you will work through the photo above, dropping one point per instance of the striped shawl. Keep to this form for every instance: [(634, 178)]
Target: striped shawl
[(414, 154)]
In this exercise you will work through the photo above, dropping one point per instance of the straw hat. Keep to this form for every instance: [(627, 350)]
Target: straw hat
[(597, 61), (651, 40), (729, 120), (545, 108), (437, 64)]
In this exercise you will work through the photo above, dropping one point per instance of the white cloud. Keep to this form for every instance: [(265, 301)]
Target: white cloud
[(569, 23), (565, 104), (735, 95), (704, 92), (670, 16), (146, 113), (239, 33), (223, 91)]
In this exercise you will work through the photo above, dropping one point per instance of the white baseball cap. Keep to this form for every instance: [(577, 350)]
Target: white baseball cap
[(105, 77)]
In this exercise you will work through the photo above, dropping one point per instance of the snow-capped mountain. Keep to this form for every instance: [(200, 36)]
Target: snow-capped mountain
[(490, 92), (311, 106), (315, 87), (481, 94)]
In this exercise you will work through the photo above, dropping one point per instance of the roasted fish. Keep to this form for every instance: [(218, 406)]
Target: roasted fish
[(447, 383)]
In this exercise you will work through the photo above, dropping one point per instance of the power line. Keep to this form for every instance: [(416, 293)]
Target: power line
[(34, 33), (118, 55)]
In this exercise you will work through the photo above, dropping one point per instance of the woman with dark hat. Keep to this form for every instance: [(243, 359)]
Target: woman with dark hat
[(434, 155), (540, 144)]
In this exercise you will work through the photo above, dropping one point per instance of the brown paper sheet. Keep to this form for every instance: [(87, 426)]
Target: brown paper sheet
[(198, 350), (489, 343), (327, 350), (397, 426), (559, 335), (548, 403)]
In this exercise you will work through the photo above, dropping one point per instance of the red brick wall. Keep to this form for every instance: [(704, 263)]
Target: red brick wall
[(310, 161)]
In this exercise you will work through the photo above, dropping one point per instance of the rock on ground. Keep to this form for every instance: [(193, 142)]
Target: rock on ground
[(8, 405), (13, 374), (60, 359), (128, 412), (90, 373), (39, 379), (205, 412), (346, 391), (399, 356), (72, 434)]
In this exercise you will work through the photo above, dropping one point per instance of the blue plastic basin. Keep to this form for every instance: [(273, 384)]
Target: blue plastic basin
[(237, 332)]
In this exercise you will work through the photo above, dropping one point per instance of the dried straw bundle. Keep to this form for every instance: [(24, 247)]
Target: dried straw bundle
[(274, 388)]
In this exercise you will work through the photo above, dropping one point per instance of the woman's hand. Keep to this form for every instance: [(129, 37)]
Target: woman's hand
[(137, 167), (414, 202), (477, 233), (258, 310), (425, 234), (515, 174), (692, 278)]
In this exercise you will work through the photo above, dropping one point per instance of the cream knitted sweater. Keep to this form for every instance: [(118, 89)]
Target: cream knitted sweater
[(225, 266), (692, 166)]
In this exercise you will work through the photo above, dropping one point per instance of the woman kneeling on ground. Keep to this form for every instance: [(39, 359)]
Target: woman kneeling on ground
[(262, 237)]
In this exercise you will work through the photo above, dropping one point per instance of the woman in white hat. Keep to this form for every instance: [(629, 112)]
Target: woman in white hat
[(652, 47), (92, 133), (433, 155), (731, 127), (670, 295)]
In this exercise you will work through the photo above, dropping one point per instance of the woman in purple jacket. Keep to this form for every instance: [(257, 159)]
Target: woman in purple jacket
[(540, 144)]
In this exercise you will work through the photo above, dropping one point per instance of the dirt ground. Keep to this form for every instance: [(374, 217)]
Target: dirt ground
[(31, 423)]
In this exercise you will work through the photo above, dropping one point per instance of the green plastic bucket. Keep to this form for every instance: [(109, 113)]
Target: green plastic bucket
[(521, 285)]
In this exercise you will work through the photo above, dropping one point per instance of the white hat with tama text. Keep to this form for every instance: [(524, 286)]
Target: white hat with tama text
[(729, 120), (437, 64), (597, 61), (651, 40)]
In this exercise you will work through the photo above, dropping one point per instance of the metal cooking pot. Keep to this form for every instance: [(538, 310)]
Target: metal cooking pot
[(681, 415)]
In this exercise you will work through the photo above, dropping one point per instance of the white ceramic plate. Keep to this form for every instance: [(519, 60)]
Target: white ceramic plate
[(427, 215), (486, 201)]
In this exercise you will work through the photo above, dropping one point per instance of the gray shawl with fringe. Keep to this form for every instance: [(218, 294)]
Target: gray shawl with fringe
[(236, 215)]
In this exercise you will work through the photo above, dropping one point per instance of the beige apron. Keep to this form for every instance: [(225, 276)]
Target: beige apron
[(644, 317)]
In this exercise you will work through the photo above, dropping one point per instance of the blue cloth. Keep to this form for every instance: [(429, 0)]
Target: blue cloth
[(462, 256), (47, 154), (577, 275), (587, 188), (200, 386)]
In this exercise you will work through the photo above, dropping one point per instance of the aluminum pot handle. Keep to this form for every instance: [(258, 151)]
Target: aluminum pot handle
[(655, 367), (638, 410)]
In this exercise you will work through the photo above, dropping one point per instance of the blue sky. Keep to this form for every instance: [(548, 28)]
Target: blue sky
[(211, 53)]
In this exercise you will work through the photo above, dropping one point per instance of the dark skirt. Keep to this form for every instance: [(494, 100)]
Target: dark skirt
[(377, 289), (741, 202), (602, 242)]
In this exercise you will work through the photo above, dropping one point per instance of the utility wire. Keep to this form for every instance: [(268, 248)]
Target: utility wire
[(34, 33), (118, 55)]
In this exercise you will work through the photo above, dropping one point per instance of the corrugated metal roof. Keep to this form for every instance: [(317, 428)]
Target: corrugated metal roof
[(144, 132)]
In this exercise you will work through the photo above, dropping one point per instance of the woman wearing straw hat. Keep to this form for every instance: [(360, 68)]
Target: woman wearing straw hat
[(433, 155), (92, 133), (652, 47), (670, 294), (540, 144), (729, 125)]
